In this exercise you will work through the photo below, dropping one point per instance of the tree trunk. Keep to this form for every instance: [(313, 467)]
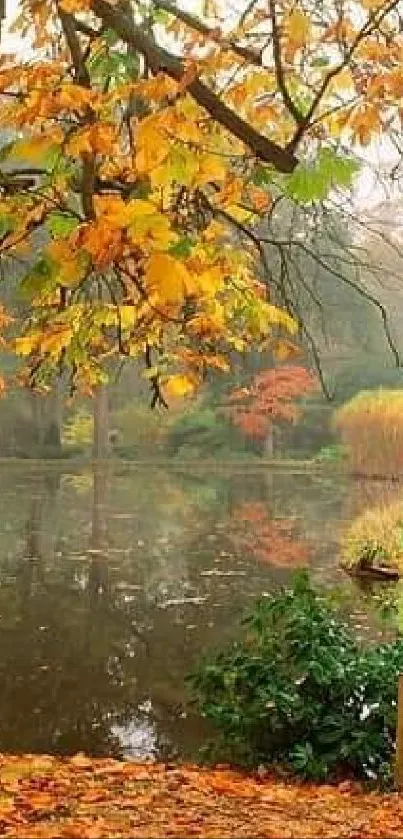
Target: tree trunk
[(268, 444), (101, 423), (47, 414), (54, 417)]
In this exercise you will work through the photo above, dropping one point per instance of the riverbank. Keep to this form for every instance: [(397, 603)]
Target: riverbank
[(83, 798)]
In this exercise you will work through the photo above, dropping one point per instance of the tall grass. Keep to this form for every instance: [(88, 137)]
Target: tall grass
[(371, 426), (374, 540)]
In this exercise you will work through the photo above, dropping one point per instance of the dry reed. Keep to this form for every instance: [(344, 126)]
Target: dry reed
[(371, 427), (374, 540)]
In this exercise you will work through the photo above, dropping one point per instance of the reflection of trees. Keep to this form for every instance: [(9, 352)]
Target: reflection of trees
[(30, 567), (119, 605), (66, 648), (66, 672), (253, 530), (98, 570)]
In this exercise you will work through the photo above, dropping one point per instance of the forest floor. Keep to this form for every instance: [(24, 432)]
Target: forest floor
[(43, 796)]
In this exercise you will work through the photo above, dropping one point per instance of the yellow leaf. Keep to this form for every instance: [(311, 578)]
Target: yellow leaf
[(140, 207), (168, 278), (239, 213), (27, 343), (157, 88), (152, 146), (102, 242), (120, 214), (34, 149), (342, 81), (127, 316), (112, 209), (70, 268), (209, 282), (214, 231), (239, 344), (298, 28), (285, 350), (153, 230), (231, 192), (57, 339), (211, 168), (97, 139), (372, 5), (73, 6), (179, 385), (279, 317)]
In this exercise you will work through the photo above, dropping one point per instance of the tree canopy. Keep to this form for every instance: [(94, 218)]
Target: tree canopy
[(144, 136)]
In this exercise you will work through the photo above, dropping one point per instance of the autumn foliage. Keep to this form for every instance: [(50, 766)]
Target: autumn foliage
[(79, 798), (371, 426), (148, 143), (271, 397)]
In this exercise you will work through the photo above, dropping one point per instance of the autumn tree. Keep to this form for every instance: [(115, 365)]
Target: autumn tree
[(269, 399), (145, 138)]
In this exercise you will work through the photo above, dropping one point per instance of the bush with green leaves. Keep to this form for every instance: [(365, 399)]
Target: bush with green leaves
[(297, 690), (202, 431)]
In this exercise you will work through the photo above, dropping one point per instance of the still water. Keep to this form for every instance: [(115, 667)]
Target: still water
[(115, 579)]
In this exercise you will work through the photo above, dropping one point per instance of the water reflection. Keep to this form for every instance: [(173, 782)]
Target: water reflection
[(114, 582)]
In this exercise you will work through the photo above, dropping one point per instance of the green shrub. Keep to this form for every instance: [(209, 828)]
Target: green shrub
[(78, 430), (202, 431), (331, 453), (298, 691)]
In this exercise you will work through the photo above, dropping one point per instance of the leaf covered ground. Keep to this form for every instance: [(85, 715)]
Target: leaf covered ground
[(43, 796)]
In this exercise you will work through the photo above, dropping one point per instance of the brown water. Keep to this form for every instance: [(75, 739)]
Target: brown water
[(115, 580)]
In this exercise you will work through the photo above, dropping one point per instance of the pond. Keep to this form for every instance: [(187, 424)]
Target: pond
[(115, 579)]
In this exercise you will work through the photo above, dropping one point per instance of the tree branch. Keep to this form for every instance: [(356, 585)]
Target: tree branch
[(278, 64), (193, 22), (68, 24), (160, 60), (370, 26), (83, 78)]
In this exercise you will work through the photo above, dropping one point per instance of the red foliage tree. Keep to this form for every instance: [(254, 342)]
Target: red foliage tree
[(271, 397)]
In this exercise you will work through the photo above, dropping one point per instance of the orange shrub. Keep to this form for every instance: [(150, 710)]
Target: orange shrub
[(371, 426)]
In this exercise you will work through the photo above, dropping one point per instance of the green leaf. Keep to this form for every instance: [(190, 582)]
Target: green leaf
[(262, 176), (6, 149), (110, 37), (61, 225), (321, 61), (40, 279), (182, 248), (313, 182), (161, 16), (6, 225), (51, 158), (113, 66), (182, 165), (306, 185)]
